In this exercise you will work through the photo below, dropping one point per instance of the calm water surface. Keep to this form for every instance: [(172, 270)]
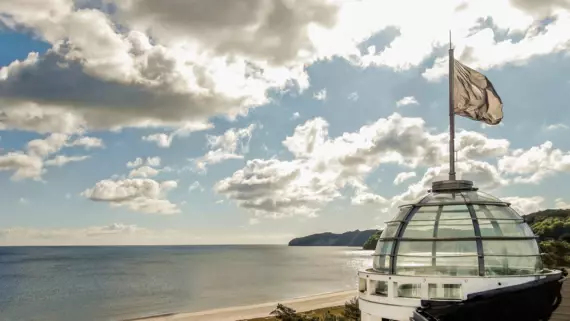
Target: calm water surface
[(115, 283)]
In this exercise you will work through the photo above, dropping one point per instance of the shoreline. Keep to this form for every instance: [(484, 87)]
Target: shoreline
[(262, 310)]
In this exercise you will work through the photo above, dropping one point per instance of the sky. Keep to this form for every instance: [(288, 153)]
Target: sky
[(256, 121)]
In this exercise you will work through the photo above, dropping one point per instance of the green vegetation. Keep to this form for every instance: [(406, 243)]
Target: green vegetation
[(370, 244), (352, 238), (553, 230), (348, 312)]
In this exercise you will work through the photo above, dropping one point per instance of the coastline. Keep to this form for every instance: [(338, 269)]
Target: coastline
[(302, 304)]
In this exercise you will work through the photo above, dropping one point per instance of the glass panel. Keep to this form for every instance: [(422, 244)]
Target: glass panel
[(455, 248), (390, 230), (448, 266), (445, 291), (426, 213), (415, 248), (504, 228), (475, 196), (362, 285), (381, 263), (522, 265), (444, 198), (410, 290), (457, 266), (451, 212), (456, 228), (402, 213), (493, 211), (383, 247), (510, 247), (380, 288), (419, 229)]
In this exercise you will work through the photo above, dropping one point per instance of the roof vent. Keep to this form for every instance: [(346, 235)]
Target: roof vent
[(456, 185)]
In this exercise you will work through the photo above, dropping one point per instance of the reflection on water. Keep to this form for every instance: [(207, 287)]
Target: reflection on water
[(110, 283)]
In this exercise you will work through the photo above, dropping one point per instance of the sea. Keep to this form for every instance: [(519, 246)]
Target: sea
[(126, 282)]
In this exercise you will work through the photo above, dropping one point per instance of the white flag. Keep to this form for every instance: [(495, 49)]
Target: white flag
[(475, 96)]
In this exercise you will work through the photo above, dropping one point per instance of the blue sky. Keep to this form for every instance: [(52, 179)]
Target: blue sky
[(256, 129)]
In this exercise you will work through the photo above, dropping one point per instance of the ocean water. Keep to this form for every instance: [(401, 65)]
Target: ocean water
[(118, 283)]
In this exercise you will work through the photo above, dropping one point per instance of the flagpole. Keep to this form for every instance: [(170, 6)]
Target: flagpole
[(451, 113)]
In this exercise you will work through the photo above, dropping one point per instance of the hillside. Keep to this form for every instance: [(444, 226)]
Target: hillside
[(353, 238)]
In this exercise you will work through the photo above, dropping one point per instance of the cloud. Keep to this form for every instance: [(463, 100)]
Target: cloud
[(230, 145), (144, 171), (296, 115), (321, 94), (322, 165), (61, 160), (560, 203), (164, 140), (29, 163), (353, 96), (525, 205), (535, 164), (195, 186), (556, 127), (408, 100), (403, 176), (149, 65), (131, 234), (150, 161), (138, 194), (88, 142)]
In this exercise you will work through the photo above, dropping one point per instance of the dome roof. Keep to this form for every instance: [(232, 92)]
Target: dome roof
[(456, 230)]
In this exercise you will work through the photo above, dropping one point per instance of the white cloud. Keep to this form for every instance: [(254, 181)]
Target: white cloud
[(222, 58), (61, 160), (403, 176), (164, 140), (560, 203), (353, 96), (296, 115), (138, 194), (150, 161), (322, 165), (535, 164), (29, 164), (231, 145), (556, 127), (321, 94), (88, 142), (525, 205), (195, 186), (143, 171), (408, 100), (131, 234), (23, 200)]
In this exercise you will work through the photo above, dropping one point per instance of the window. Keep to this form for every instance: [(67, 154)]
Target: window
[(390, 230), (362, 285), (445, 291), (404, 210), (453, 212), (409, 290), (455, 228), (496, 212), (383, 247), (510, 247), (381, 263), (498, 228), (426, 213), (380, 288), (512, 265), (419, 229)]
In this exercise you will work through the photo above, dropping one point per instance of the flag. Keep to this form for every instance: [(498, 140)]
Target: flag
[(475, 96)]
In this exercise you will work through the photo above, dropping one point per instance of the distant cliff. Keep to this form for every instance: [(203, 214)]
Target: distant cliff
[(353, 238)]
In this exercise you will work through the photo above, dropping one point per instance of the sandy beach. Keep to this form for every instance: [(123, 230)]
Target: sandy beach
[(260, 310)]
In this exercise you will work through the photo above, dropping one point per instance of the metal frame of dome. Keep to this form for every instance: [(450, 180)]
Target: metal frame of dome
[(390, 295), (462, 189)]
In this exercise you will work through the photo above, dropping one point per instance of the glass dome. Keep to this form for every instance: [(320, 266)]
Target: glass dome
[(457, 233)]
